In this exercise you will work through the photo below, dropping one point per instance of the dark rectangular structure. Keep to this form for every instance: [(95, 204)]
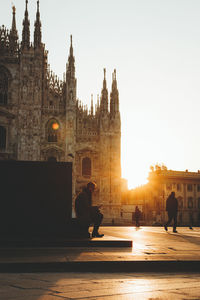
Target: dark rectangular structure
[(35, 197)]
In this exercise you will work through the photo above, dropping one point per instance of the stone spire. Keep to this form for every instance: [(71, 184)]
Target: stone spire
[(104, 96), (13, 34), (70, 78), (71, 63), (14, 20), (114, 96), (71, 47), (92, 107), (26, 29), (37, 31)]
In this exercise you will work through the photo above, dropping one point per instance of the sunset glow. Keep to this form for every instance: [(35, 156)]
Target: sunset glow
[(155, 48)]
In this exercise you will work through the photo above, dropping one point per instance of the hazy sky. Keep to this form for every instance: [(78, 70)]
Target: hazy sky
[(155, 47)]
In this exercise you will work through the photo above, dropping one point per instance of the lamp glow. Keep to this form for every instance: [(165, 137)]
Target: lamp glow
[(55, 126)]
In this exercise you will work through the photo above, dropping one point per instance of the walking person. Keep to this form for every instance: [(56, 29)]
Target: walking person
[(85, 212), (172, 210), (137, 216)]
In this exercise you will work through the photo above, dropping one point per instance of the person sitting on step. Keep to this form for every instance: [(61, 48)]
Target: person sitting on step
[(85, 212)]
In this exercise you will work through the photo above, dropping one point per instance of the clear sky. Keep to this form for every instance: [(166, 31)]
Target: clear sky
[(155, 47)]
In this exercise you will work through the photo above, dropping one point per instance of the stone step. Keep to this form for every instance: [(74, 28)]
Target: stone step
[(102, 266), (66, 242)]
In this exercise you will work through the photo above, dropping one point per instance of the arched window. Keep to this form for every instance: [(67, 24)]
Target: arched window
[(189, 187), (180, 202), (53, 129), (190, 202), (2, 138), (86, 167), (3, 88)]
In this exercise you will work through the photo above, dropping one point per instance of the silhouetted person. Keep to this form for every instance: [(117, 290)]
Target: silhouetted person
[(85, 212), (137, 216), (172, 209)]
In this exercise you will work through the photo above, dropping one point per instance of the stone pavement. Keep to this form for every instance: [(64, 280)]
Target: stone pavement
[(153, 250), (99, 286), (150, 245)]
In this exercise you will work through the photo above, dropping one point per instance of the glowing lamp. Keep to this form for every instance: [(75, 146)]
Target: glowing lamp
[(55, 126)]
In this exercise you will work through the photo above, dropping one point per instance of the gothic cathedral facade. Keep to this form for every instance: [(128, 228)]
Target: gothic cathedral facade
[(41, 118)]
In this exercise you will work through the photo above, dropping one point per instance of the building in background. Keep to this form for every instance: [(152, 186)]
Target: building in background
[(151, 197), (41, 118), (186, 186)]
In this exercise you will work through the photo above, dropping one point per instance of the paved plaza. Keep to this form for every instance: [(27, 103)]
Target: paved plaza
[(95, 286), (149, 244), (54, 277)]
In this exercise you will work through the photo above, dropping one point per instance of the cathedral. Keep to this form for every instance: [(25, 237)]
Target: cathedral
[(41, 118)]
